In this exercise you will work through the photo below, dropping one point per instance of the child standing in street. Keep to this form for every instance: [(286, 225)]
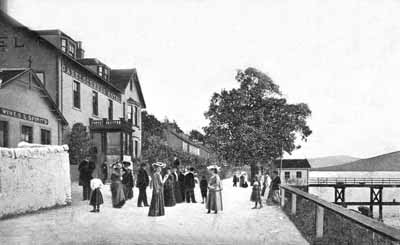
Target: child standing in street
[(203, 188), (256, 193), (96, 198)]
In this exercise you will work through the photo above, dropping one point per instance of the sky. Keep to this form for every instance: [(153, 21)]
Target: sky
[(341, 57)]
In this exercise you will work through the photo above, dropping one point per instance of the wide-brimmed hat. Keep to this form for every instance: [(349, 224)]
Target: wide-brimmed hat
[(117, 165), (159, 164), (214, 166)]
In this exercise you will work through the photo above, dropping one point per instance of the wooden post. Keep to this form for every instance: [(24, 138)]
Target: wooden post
[(294, 203), (282, 197), (371, 201), (319, 223)]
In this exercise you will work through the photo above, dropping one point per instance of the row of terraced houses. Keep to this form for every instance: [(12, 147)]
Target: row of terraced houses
[(47, 85)]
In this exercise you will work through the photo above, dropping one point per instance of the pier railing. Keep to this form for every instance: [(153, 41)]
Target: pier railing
[(322, 222), (330, 181)]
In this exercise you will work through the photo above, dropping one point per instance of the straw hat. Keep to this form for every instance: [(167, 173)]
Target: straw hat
[(214, 166), (159, 164)]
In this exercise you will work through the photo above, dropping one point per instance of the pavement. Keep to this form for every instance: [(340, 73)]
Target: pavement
[(183, 224)]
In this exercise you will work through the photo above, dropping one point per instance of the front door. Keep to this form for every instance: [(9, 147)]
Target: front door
[(3, 134)]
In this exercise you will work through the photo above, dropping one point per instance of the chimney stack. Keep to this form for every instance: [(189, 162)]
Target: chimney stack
[(4, 6), (80, 52)]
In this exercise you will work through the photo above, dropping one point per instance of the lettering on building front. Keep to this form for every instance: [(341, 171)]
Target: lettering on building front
[(67, 69), (23, 116)]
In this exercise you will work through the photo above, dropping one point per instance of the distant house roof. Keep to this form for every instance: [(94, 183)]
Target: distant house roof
[(292, 163), (121, 77), (15, 23), (385, 162), (53, 32), (9, 75)]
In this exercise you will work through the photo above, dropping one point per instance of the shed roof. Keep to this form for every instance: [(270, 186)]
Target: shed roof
[(292, 163)]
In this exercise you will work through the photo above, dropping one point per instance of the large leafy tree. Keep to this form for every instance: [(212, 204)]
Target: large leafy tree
[(196, 135), (254, 123), (79, 143)]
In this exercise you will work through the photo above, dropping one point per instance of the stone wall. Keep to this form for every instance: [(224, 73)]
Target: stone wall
[(33, 178), (340, 225)]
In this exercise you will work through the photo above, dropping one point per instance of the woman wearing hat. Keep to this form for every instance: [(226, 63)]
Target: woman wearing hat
[(214, 200), (157, 199), (117, 190)]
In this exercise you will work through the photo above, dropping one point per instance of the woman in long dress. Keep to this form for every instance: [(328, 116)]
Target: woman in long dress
[(157, 199), (177, 187), (214, 200), (117, 190), (169, 192)]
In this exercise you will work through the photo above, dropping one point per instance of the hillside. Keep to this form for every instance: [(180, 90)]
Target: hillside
[(385, 162), (322, 162)]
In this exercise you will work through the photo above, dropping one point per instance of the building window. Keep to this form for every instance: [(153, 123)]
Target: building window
[(130, 85), (130, 115), (123, 110), (136, 116), (287, 175), (110, 110), (95, 103), (105, 74), (136, 148), (76, 87), (71, 49), (298, 174), (3, 134), (100, 71), (41, 77), (27, 134), (64, 45), (45, 137)]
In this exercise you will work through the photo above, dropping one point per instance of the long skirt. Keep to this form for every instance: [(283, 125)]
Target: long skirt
[(169, 196), (255, 196), (178, 194), (117, 194), (96, 197), (128, 192), (214, 200), (157, 204)]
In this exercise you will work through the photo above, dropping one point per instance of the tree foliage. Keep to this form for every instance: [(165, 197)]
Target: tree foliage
[(79, 143), (254, 122), (196, 135)]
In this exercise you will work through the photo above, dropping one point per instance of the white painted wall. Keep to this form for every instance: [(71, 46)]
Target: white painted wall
[(37, 178)]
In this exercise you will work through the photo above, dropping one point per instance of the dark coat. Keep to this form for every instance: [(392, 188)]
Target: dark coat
[(189, 181), (142, 179), (203, 184), (127, 178), (85, 173)]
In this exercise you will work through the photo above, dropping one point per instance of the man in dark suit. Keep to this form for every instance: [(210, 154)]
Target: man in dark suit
[(142, 183), (189, 186)]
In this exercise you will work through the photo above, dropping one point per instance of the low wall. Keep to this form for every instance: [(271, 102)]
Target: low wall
[(33, 178), (322, 222)]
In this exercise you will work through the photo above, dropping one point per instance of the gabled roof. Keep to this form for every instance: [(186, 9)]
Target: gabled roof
[(10, 75), (15, 23), (53, 32), (292, 163), (90, 61), (385, 162), (121, 77)]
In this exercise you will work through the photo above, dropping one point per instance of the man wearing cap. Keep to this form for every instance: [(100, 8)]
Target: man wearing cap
[(189, 186), (142, 183)]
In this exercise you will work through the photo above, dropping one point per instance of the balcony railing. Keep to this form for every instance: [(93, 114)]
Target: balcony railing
[(106, 125)]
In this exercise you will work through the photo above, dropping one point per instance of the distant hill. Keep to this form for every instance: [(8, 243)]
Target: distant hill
[(322, 162), (385, 162)]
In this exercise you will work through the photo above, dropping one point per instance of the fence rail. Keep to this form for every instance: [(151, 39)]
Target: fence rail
[(320, 181)]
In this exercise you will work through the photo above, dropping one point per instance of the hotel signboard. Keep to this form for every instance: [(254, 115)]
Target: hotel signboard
[(23, 116)]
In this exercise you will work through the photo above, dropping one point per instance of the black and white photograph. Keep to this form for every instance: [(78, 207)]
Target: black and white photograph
[(200, 122)]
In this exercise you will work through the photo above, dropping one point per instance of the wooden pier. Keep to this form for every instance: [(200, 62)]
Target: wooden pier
[(375, 185)]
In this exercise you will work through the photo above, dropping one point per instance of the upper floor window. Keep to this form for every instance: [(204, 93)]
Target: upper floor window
[(76, 90), (100, 71), (287, 175), (71, 49), (45, 137), (95, 103), (106, 74), (130, 85), (110, 110), (27, 134), (298, 174), (136, 116), (63, 45)]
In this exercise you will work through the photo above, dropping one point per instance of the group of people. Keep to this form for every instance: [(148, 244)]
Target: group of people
[(169, 187), (175, 186), (267, 187)]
